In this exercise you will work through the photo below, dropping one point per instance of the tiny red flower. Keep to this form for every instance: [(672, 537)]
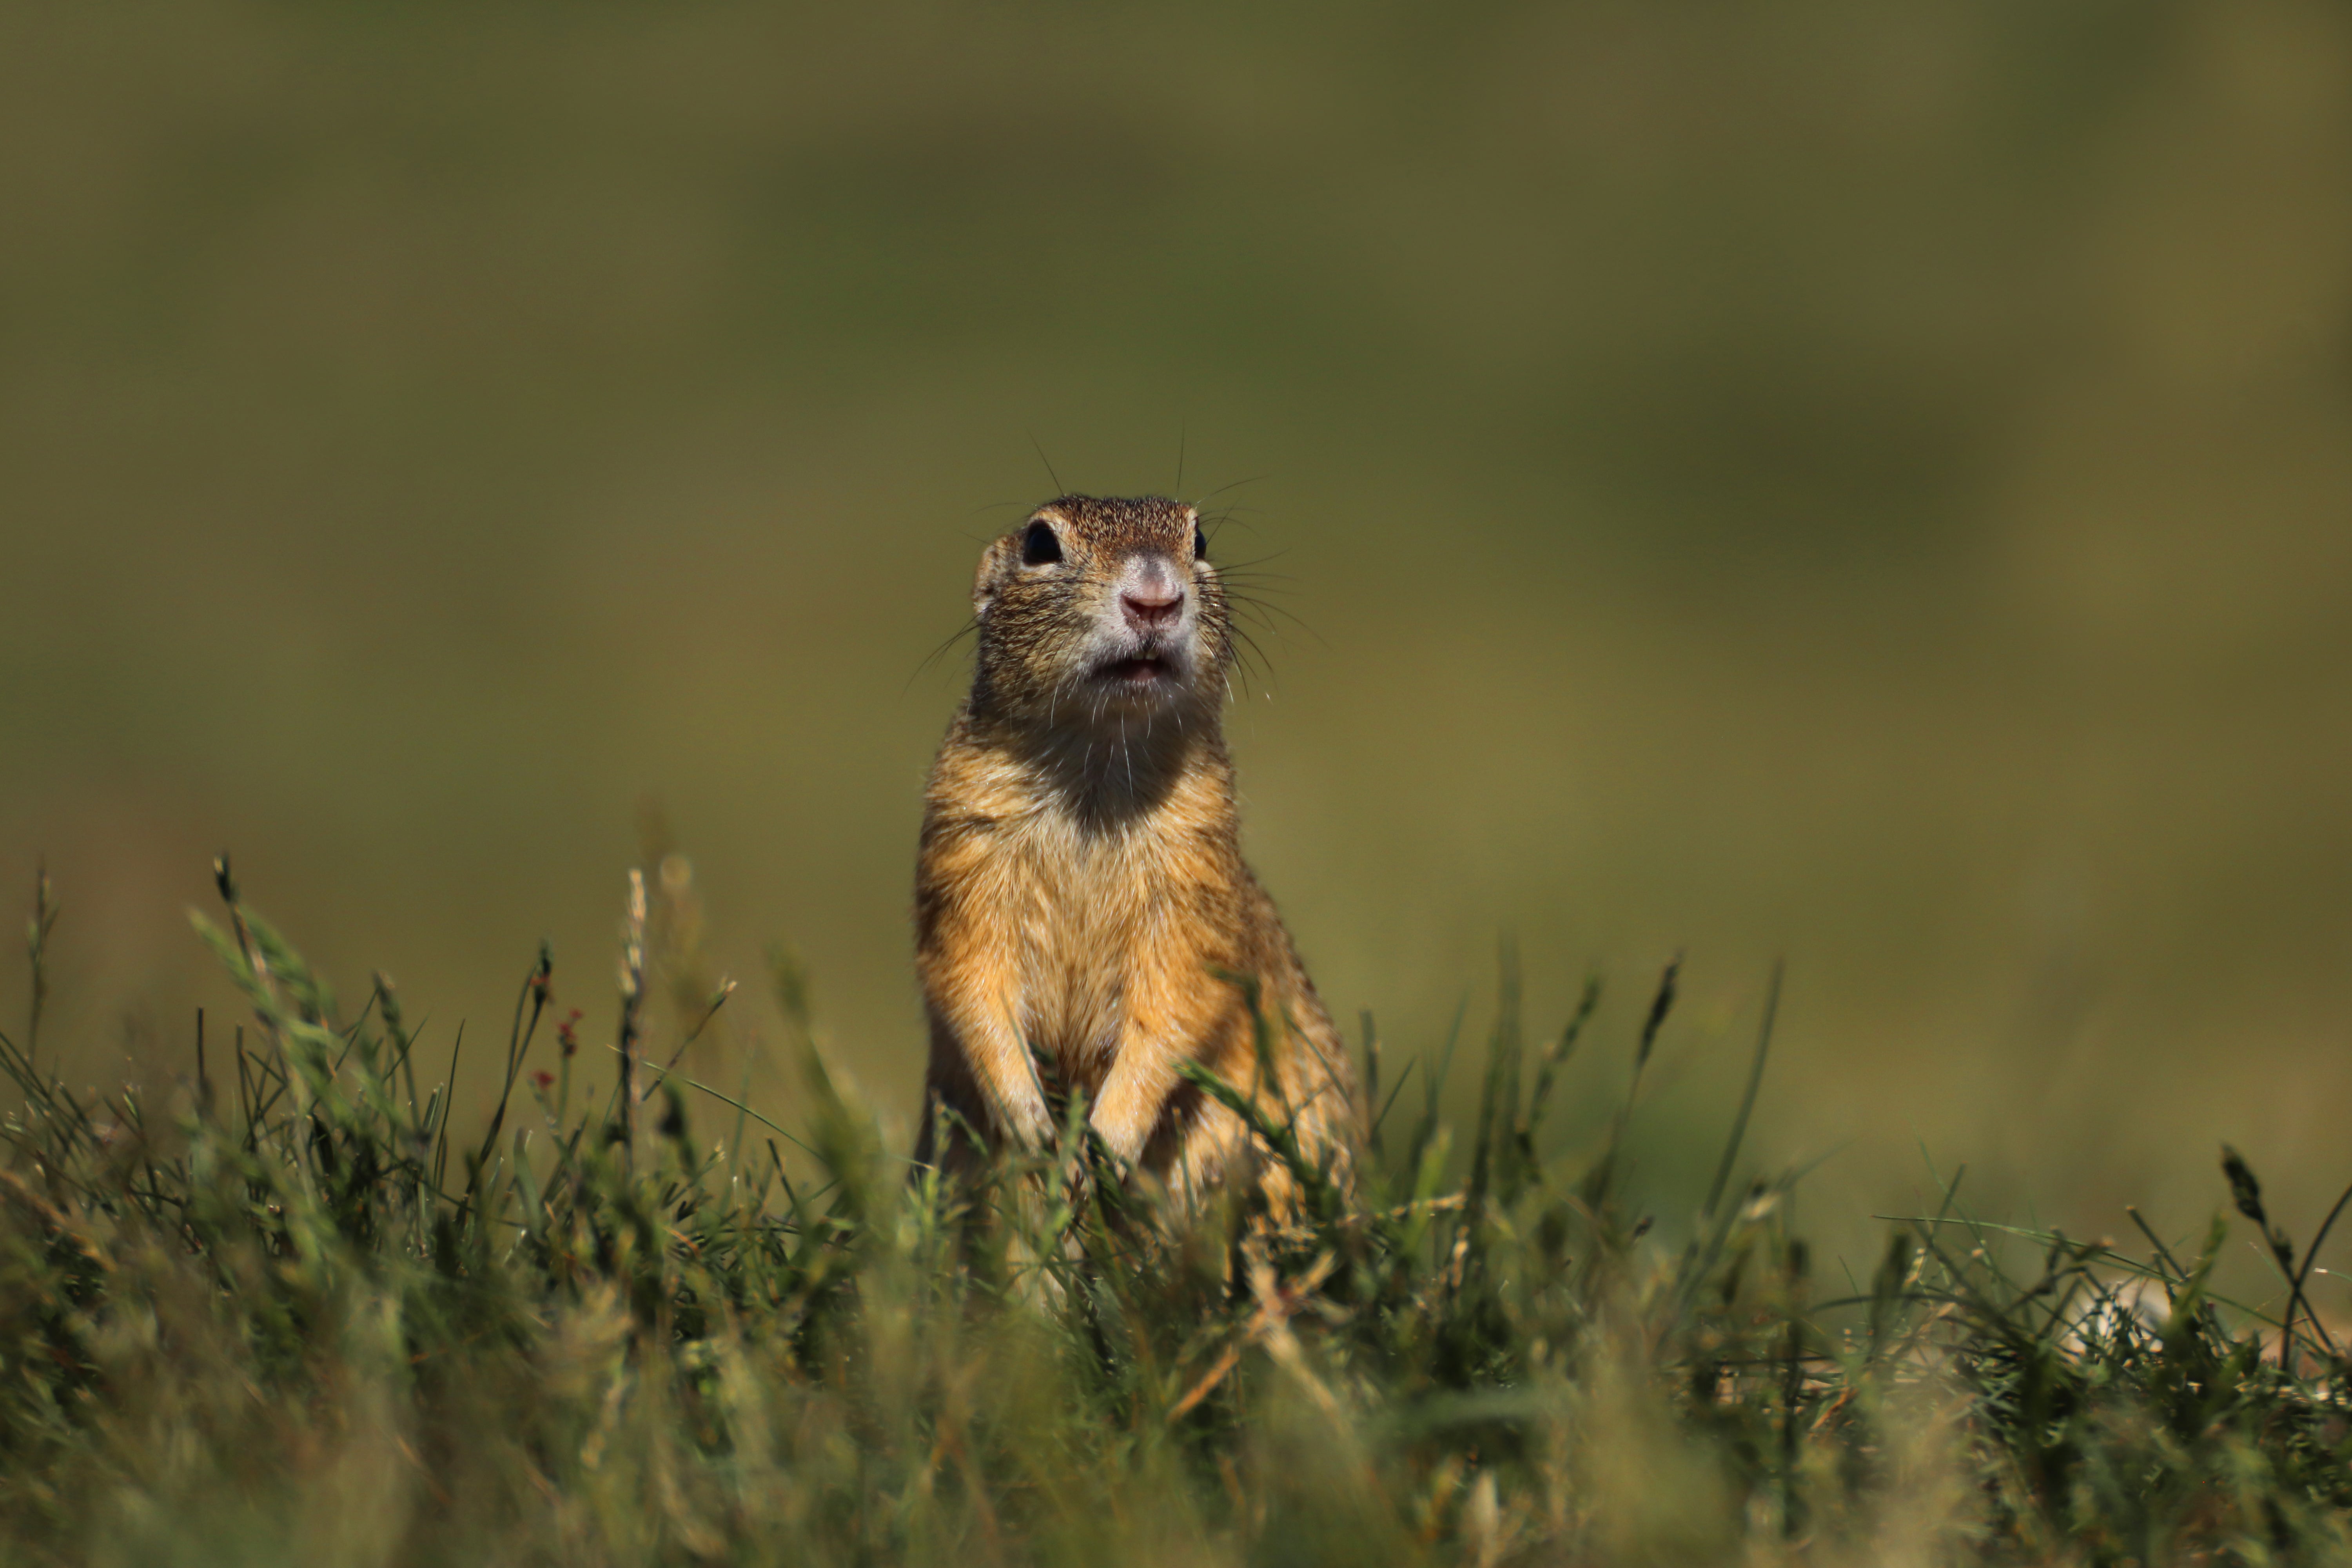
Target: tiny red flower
[(565, 1033), (544, 1080)]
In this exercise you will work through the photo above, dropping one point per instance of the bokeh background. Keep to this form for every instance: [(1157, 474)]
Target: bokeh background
[(1869, 484)]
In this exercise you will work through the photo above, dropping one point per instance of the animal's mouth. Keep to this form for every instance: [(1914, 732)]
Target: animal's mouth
[(1143, 671)]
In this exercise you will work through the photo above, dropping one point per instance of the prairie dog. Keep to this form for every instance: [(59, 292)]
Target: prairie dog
[(1080, 892)]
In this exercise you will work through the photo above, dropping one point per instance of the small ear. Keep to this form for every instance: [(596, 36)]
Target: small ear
[(994, 562)]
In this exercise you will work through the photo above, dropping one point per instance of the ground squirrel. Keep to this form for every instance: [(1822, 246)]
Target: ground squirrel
[(1081, 893)]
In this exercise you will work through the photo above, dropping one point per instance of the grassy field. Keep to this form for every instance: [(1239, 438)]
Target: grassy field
[(291, 1306), (1857, 484)]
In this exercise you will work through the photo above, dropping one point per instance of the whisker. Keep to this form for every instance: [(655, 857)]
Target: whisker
[(1050, 474), (1250, 585), (1263, 613), (967, 629), (1249, 656), (1255, 561), (1237, 484)]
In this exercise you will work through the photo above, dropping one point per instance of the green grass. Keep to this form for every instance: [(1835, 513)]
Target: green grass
[(285, 1312)]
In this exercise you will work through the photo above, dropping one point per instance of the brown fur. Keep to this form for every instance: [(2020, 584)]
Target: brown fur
[(1081, 890)]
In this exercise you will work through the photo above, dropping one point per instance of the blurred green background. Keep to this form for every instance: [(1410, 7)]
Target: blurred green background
[(1866, 483)]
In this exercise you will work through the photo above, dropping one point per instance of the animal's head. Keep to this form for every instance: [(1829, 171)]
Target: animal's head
[(1101, 612)]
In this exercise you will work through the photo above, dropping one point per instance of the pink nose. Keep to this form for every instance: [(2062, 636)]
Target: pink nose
[(1151, 608)]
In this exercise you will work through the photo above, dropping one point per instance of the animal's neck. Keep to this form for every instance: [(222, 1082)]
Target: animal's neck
[(1107, 772)]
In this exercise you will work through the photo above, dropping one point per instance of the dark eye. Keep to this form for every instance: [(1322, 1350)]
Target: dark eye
[(1039, 547), (1200, 543)]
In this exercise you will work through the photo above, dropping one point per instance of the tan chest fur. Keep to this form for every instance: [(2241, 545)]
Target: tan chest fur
[(1093, 914)]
